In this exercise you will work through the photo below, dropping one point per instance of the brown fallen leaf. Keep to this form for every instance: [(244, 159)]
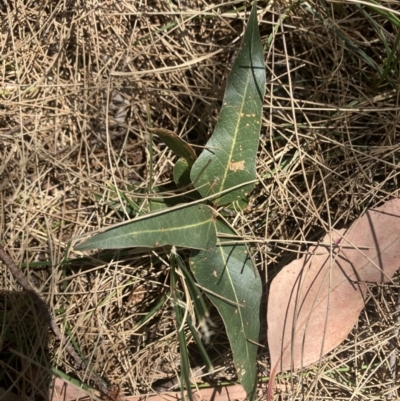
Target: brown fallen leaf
[(63, 391), (67, 392), (315, 301)]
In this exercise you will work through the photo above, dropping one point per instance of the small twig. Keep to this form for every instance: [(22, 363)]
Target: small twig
[(36, 298), (18, 127)]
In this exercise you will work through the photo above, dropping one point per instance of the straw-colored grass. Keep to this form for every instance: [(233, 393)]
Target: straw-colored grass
[(80, 84)]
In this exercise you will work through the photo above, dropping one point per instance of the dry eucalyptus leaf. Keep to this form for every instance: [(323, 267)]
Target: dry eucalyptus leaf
[(315, 301), (67, 392)]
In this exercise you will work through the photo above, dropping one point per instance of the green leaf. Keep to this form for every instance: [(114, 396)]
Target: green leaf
[(176, 144), (239, 205), (230, 154), (229, 278), (191, 227), (182, 173)]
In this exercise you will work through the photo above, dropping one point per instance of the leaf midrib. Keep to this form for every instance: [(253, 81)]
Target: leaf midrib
[(161, 229), (235, 133)]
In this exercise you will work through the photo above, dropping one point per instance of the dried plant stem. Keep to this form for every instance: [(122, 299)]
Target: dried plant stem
[(36, 298)]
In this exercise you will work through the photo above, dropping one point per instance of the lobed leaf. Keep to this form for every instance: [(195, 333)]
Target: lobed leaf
[(191, 227), (230, 155), (228, 272)]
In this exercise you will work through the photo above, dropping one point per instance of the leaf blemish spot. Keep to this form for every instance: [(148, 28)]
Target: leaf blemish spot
[(236, 166)]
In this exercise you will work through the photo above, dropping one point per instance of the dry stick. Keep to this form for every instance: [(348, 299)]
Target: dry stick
[(36, 298)]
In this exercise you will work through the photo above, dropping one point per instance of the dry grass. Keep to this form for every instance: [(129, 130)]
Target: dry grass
[(80, 83)]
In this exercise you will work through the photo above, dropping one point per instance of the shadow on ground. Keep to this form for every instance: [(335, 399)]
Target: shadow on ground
[(25, 372)]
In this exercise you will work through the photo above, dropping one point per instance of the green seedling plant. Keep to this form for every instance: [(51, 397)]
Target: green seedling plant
[(222, 176)]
